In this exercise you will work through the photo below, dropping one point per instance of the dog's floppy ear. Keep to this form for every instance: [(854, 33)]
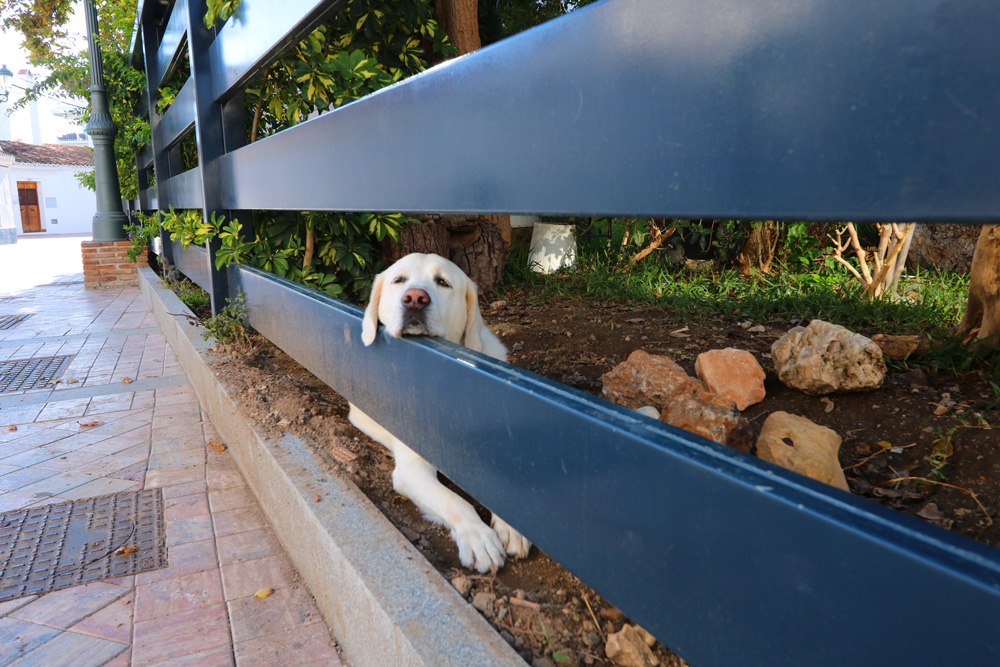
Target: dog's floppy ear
[(473, 319), (369, 323)]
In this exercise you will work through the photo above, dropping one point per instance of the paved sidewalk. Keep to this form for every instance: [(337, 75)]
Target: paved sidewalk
[(104, 434)]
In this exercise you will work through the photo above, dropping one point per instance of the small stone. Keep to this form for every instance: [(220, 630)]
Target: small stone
[(592, 639), (627, 648), (649, 411), (505, 329), (825, 358), (800, 445), (497, 305), (733, 374), (462, 584), (483, 601), (760, 328)]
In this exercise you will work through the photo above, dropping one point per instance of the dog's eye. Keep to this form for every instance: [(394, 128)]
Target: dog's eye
[(442, 282), (398, 279)]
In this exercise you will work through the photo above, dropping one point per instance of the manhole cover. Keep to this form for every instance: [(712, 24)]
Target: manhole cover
[(11, 321), (48, 548), (38, 373)]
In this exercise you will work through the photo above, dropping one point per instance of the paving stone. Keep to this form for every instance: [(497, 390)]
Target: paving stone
[(239, 520), (310, 645), (245, 578), (86, 651), (177, 594), (64, 608), (179, 635), (183, 559), (247, 546), (114, 622), (191, 529), (184, 507), (287, 610), (18, 637)]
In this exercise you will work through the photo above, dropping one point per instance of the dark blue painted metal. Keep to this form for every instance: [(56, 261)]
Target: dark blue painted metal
[(171, 44), (751, 109), (192, 261), (253, 37), (185, 190), (179, 118), (727, 559)]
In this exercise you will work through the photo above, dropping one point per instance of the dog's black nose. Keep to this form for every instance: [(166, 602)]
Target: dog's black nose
[(415, 299)]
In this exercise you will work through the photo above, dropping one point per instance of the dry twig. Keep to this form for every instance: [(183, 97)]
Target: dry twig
[(950, 486)]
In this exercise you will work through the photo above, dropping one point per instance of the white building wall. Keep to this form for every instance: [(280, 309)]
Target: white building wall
[(65, 206)]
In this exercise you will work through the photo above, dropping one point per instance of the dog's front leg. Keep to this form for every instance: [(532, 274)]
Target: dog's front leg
[(479, 547)]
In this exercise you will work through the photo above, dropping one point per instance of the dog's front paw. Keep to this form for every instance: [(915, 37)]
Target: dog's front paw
[(514, 543), (479, 547)]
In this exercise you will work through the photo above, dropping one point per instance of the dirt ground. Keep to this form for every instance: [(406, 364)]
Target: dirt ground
[(917, 425)]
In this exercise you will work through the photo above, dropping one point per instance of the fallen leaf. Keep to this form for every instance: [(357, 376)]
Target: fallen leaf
[(54, 382), (126, 550), (940, 410), (931, 511), (829, 404), (263, 593), (11, 428), (317, 499), (884, 444), (636, 320), (218, 446), (679, 333), (89, 424), (127, 380), (72, 381)]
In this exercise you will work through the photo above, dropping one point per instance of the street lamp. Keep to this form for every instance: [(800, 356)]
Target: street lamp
[(5, 76), (109, 220)]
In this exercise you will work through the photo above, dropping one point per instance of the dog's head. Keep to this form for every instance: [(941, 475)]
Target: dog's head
[(424, 295)]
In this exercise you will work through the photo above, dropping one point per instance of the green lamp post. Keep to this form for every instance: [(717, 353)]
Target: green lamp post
[(109, 220)]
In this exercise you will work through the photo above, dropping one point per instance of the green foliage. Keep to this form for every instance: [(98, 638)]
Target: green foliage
[(217, 11), (139, 235), (801, 247), (191, 295), (229, 326), (188, 226), (502, 18)]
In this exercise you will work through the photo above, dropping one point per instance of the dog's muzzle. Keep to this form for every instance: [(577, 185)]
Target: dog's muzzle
[(415, 307)]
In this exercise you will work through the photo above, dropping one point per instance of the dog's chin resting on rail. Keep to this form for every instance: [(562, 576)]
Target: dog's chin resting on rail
[(427, 295)]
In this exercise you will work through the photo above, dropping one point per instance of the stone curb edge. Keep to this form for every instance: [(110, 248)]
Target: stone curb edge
[(381, 598)]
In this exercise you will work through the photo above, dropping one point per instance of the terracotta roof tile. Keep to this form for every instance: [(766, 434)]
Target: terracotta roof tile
[(78, 156)]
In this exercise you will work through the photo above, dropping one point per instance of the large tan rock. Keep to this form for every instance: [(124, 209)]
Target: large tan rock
[(733, 374), (651, 380), (803, 446), (628, 648), (826, 358)]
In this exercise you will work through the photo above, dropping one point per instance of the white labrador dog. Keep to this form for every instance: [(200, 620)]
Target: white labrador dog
[(427, 295)]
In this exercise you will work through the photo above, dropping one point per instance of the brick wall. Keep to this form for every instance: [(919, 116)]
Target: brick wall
[(105, 265)]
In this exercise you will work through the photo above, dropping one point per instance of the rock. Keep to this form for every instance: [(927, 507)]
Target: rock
[(649, 411), (627, 648), (651, 380), (483, 601), (800, 445), (505, 329), (462, 584), (733, 374), (825, 358)]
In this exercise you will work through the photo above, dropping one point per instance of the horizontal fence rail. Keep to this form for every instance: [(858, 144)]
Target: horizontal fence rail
[(746, 109), (749, 109)]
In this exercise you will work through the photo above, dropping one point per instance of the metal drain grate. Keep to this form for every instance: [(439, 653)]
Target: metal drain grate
[(48, 548), (37, 373), (11, 321)]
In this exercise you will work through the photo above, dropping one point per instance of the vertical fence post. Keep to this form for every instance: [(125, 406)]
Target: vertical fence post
[(151, 36), (219, 128)]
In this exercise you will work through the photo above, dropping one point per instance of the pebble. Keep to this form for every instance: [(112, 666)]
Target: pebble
[(483, 601)]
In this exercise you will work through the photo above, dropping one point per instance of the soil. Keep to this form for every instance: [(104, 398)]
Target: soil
[(939, 428)]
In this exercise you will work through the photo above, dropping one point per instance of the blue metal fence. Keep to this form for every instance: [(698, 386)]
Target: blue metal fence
[(766, 109)]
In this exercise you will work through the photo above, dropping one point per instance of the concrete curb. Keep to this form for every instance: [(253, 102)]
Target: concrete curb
[(384, 602)]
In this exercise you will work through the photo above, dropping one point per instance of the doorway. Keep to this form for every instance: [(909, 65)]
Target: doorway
[(27, 198)]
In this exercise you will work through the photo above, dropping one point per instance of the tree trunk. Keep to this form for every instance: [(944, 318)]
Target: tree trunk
[(480, 252), (982, 310), (943, 247), (427, 237), (460, 19), (760, 247)]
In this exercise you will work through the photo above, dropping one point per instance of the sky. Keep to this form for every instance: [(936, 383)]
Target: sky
[(16, 59)]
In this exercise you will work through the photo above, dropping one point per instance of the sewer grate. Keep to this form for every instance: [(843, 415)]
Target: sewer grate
[(11, 321), (52, 547), (37, 373)]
